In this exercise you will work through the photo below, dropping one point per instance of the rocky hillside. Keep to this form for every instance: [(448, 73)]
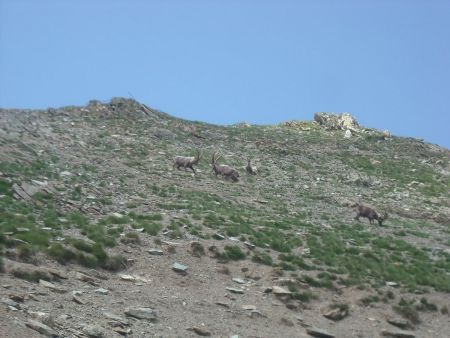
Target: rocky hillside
[(100, 236)]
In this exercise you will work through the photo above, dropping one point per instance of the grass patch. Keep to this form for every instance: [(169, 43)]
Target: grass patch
[(406, 309), (232, 252), (262, 258), (31, 275)]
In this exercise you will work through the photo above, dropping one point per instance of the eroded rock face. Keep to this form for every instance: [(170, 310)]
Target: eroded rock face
[(343, 121)]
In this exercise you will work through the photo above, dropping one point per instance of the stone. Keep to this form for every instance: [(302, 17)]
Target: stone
[(180, 268), (11, 303), (392, 284), (57, 273), (348, 134), (52, 286), (256, 313), (155, 252), (142, 313), (249, 245), (226, 305), (120, 330), (399, 322), (128, 278), (94, 331), (85, 278), (337, 313), (77, 299), (201, 331), (42, 317), (286, 281), (41, 328), (398, 334), (342, 121), (239, 280), (235, 290), (101, 291), (219, 237), (316, 332), (278, 290), (17, 298), (248, 307), (116, 318)]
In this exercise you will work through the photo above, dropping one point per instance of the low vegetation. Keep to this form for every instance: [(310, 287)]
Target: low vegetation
[(118, 188)]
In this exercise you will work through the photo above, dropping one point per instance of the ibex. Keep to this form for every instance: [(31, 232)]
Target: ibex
[(187, 162), (371, 214), (251, 170), (224, 170)]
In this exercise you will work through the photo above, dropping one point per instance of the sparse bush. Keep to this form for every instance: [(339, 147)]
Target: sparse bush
[(87, 260), (262, 258), (444, 310), (305, 296), (77, 218), (31, 275), (231, 252), (425, 306), (80, 245), (60, 253), (24, 252), (311, 281), (131, 237), (294, 260), (407, 310), (390, 295), (197, 249), (366, 301), (152, 228), (114, 263), (111, 219)]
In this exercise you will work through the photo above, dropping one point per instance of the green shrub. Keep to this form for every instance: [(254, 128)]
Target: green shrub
[(87, 260), (262, 258), (407, 310), (425, 306), (294, 260), (60, 253), (32, 276), (366, 301), (232, 252), (78, 219), (5, 188), (24, 251), (114, 263), (152, 228), (305, 296), (35, 237)]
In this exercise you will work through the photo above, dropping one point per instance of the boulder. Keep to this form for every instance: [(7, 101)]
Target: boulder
[(343, 121)]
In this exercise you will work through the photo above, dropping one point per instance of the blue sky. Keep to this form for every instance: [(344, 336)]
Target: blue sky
[(387, 62)]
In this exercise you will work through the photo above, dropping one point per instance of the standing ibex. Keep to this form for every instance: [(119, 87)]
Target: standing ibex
[(251, 170), (371, 214), (225, 170), (187, 162)]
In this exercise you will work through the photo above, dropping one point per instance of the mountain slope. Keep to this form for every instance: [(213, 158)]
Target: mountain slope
[(94, 188)]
